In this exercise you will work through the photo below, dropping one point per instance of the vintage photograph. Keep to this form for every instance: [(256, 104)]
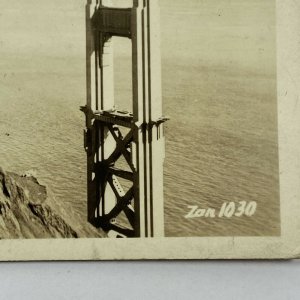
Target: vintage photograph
[(138, 119)]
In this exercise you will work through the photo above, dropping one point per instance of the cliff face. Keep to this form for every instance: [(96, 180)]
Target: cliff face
[(24, 213)]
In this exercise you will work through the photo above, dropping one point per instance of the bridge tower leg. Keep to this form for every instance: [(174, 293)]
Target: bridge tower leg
[(134, 208)]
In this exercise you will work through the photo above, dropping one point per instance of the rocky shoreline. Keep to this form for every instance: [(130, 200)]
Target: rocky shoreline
[(24, 212)]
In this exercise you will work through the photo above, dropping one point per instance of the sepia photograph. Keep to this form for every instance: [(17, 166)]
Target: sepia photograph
[(139, 119)]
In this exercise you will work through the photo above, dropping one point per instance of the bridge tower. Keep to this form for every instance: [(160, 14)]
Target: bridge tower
[(124, 199)]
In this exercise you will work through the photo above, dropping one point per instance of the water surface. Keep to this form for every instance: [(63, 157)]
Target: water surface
[(219, 88)]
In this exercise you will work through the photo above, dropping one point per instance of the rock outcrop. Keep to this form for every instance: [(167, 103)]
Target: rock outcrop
[(24, 212)]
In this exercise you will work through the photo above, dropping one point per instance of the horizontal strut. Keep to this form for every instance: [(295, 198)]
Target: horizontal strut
[(121, 118), (113, 21)]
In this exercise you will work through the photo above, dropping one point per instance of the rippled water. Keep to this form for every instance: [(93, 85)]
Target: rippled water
[(219, 88)]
